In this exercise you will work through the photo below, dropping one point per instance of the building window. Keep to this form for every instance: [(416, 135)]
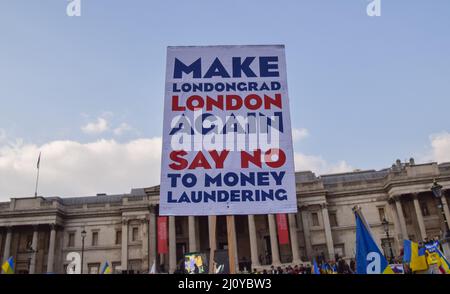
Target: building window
[(333, 219), (94, 238), (118, 237), (424, 208), (116, 267), (71, 240), (135, 234), (315, 219), (381, 213), (93, 268)]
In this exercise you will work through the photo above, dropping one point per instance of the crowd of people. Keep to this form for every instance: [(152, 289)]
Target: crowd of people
[(341, 266), (428, 248)]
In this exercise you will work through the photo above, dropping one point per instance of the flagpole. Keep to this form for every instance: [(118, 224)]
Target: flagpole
[(37, 178), (37, 181)]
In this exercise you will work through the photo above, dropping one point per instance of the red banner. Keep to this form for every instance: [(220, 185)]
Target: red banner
[(162, 235), (283, 232)]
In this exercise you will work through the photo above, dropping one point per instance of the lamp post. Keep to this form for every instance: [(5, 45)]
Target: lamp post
[(386, 229), (437, 193), (83, 236)]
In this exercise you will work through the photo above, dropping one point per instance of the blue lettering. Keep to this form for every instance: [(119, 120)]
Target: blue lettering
[(267, 65), (180, 68)]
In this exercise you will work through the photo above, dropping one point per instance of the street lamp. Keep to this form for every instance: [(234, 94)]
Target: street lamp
[(386, 229), (83, 235), (437, 192)]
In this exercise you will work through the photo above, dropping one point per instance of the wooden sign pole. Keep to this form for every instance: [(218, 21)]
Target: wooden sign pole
[(212, 242), (231, 247)]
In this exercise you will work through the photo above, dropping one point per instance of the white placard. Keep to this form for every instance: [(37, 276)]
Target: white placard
[(227, 141)]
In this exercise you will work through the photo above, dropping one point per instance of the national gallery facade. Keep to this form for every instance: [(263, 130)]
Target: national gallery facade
[(39, 232)]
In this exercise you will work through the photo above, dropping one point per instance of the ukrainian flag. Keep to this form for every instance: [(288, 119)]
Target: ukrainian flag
[(8, 266), (445, 265), (414, 256), (369, 259), (106, 269)]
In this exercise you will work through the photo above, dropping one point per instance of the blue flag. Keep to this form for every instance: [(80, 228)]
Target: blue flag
[(369, 259), (315, 270)]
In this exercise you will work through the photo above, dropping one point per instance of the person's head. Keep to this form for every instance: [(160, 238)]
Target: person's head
[(254, 269), (272, 267)]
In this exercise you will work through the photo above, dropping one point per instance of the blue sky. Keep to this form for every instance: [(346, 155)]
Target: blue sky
[(365, 90)]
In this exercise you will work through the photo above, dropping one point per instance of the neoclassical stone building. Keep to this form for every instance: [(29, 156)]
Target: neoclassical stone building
[(121, 229)]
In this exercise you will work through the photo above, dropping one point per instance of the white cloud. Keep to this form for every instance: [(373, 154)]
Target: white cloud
[(97, 127), (439, 149), (299, 134), (319, 165), (121, 129), (70, 168)]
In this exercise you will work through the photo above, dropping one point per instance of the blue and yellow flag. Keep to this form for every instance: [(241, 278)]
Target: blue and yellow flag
[(444, 264), (369, 259), (414, 256), (8, 266), (106, 269), (315, 269)]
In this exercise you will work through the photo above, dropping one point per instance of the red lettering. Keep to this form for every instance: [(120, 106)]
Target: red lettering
[(230, 99), (253, 106), (219, 158), (176, 105), (179, 162), (272, 101), (210, 102), (200, 161), (281, 157), (247, 157), (198, 100)]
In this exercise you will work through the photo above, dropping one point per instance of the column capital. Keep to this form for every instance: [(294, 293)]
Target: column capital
[(52, 226), (397, 197), (324, 205), (303, 206)]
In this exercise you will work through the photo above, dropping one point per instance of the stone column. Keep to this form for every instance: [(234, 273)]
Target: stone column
[(124, 255), (423, 233), (7, 248), (398, 242), (34, 245), (328, 235), (294, 239), (192, 234), (401, 217), (234, 237), (306, 233), (145, 249), (446, 209), (152, 231), (51, 249), (172, 245), (253, 241), (274, 240), (212, 222)]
